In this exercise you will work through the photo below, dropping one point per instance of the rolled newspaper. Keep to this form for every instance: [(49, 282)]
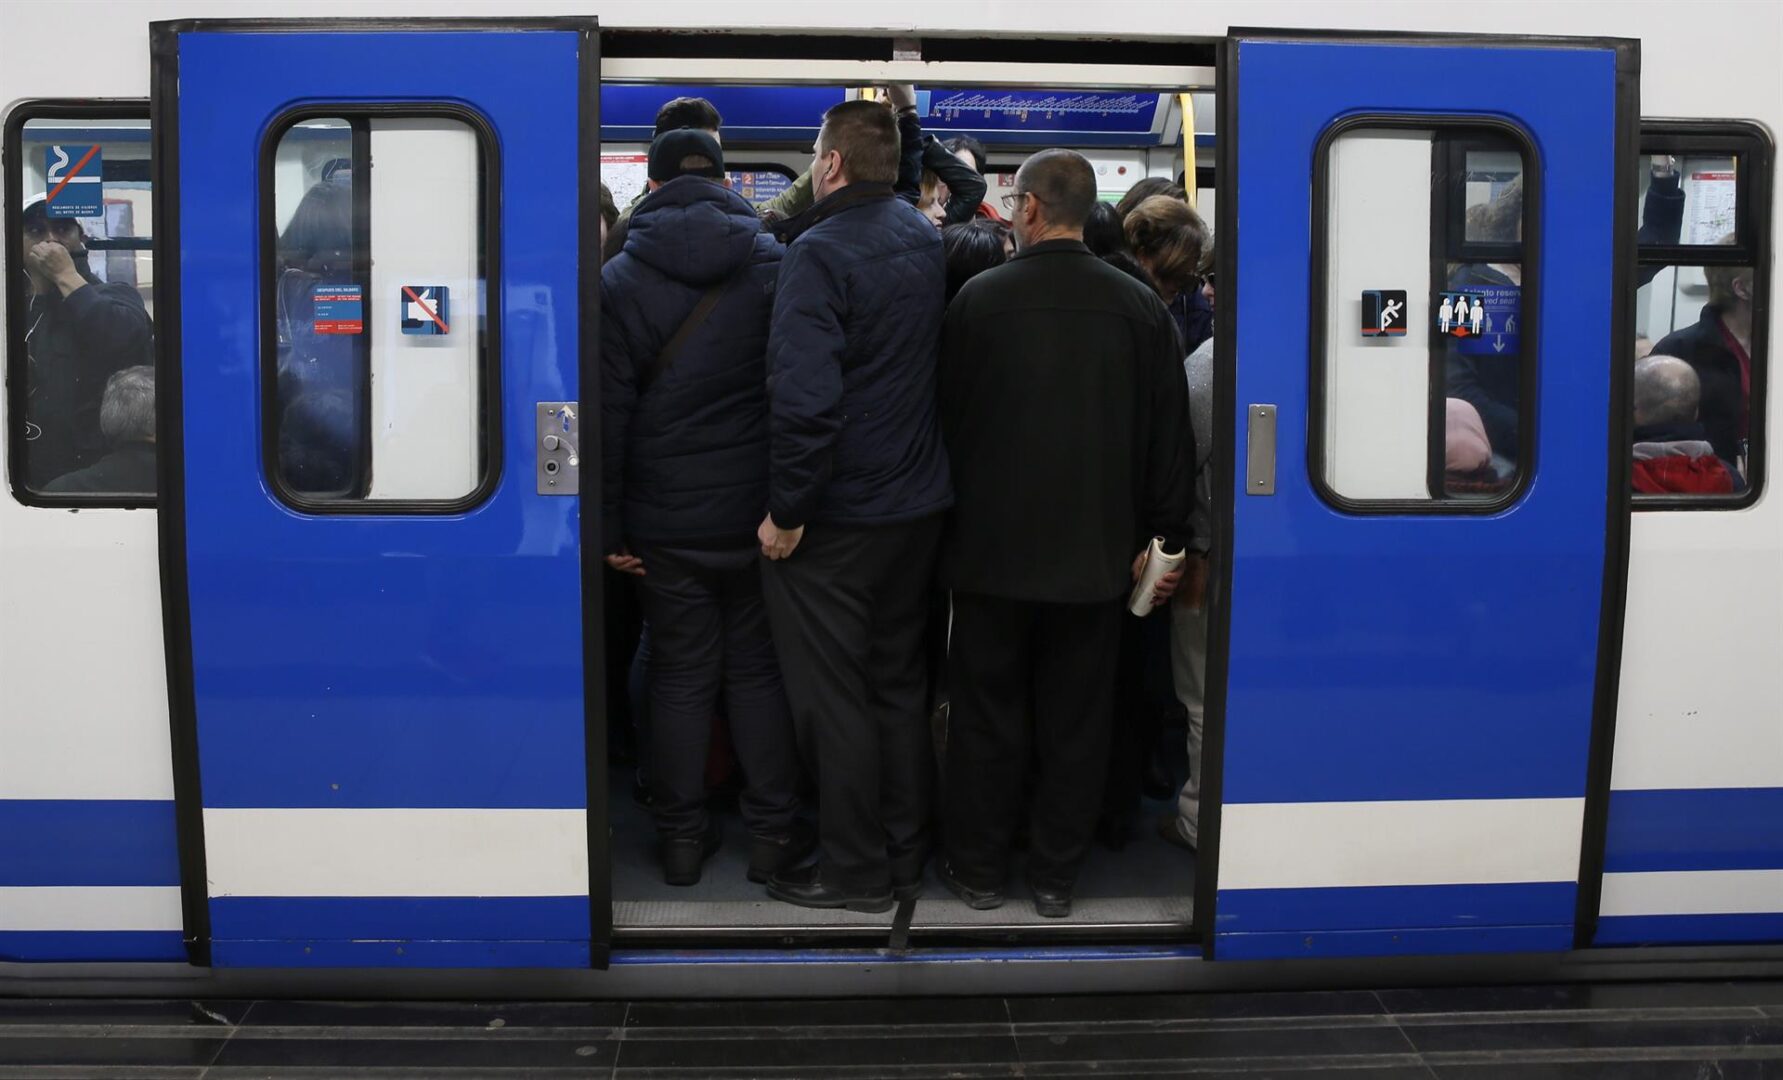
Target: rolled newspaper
[(1157, 564)]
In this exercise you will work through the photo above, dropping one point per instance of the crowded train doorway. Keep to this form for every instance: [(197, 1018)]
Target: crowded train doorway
[(1147, 127)]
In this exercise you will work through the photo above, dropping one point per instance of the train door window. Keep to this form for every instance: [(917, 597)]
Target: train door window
[(378, 356), (1702, 285), (80, 305), (1423, 356)]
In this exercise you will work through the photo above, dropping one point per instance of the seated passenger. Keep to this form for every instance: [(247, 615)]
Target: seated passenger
[(684, 436), (80, 331), (1672, 454), (1719, 347), (127, 420), (1064, 469), (971, 247)]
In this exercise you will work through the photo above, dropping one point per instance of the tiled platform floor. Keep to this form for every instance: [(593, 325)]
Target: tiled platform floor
[(1713, 1031)]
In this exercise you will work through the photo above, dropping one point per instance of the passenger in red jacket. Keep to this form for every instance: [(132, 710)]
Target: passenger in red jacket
[(1672, 453)]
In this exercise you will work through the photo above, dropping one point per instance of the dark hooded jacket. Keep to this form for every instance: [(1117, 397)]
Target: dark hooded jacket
[(75, 343), (685, 452)]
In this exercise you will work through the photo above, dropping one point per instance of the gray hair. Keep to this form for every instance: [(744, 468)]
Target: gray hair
[(1666, 390), (127, 412)]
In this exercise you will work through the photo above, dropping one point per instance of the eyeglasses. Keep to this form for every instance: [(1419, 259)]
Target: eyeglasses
[(1010, 200)]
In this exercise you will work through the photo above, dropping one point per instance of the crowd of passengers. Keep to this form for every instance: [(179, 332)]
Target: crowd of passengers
[(871, 417), (872, 447)]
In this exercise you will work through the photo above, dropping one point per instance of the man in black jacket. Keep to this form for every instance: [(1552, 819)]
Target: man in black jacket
[(79, 332), (1066, 417), (1719, 346), (684, 435), (857, 482)]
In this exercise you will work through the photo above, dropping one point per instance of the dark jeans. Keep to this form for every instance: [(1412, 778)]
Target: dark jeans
[(850, 607), (709, 633), (1030, 682)]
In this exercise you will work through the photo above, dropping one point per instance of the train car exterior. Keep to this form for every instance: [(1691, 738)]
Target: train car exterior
[(252, 723)]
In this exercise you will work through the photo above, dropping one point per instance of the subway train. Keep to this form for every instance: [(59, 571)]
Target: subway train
[(278, 721)]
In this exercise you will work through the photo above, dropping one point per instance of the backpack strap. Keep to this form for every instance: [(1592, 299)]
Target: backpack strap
[(665, 359)]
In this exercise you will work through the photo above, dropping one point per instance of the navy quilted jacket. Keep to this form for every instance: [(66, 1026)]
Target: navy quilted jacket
[(685, 460), (851, 365)]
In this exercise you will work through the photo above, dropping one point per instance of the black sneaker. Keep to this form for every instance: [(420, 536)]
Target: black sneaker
[(976, 899), (683, 856), (769, 855)]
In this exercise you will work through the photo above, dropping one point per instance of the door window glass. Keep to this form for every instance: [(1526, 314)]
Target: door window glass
[(1701, 290), (380, 371), (1422, 370), (81, 352)]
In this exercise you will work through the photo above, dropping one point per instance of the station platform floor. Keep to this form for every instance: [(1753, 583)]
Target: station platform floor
[(1719, 1030)]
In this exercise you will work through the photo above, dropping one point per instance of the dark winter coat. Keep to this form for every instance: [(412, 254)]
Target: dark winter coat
[(1067, 421), (685, 457), (1703, 345), (851, 361), (75, 343)]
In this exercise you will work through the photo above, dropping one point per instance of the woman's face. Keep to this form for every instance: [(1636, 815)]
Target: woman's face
[(935, 207)]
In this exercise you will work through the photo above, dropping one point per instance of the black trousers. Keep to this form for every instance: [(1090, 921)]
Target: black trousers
[(1030, 682), (850, 608), (709, 635)]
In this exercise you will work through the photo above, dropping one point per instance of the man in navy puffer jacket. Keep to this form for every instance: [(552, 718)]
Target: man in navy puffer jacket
[(684, 439), (857, 483)]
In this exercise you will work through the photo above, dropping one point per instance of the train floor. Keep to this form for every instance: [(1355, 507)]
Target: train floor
[(1146, 887), (1703, 1031)]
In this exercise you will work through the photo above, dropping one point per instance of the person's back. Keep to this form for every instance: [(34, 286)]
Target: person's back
[(684, 439), (686, 447), (857, 482), (1050, 362), (857, 329), (1066, 417)]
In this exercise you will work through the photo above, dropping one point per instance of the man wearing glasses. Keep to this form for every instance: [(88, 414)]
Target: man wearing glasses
[(1066, 420)]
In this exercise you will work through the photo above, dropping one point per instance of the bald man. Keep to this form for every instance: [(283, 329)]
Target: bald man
[(1672, 452)]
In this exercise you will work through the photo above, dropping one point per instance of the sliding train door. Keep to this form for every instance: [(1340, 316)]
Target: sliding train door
[(377, 259), (1426, 490)]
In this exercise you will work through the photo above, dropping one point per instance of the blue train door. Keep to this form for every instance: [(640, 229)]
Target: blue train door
[(379, 266), (1425, 241)]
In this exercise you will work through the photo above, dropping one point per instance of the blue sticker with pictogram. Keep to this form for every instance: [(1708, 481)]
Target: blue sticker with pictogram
[(1485, 319), (424, 309), (73, 179)]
